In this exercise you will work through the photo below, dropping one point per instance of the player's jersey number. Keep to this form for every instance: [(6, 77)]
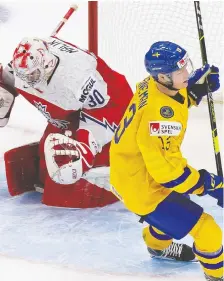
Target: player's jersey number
[(95, 99), (126, 121)]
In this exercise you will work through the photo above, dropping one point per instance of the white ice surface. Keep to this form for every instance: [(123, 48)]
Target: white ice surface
[(90, 242)]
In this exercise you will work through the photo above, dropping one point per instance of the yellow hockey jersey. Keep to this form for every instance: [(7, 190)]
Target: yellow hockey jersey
[(146, 163)]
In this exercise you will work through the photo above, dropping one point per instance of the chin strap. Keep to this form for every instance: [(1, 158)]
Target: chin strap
[(170, 87)]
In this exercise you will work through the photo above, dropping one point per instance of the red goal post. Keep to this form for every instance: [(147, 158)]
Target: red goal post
[(93, 26)]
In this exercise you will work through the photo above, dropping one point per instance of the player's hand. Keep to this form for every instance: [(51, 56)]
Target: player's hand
[(217, 194), (200, 74), (67, 159), (213, 79), (213, 186), (196, 83), (211, 181)]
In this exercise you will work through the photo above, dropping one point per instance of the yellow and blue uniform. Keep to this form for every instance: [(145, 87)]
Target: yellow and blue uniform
[(150, 175), (146, 168)]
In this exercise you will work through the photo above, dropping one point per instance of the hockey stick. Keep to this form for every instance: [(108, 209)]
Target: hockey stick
[(71, 10), (209, 93)]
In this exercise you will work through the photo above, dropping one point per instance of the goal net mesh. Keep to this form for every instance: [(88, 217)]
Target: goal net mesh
[(127, 29)]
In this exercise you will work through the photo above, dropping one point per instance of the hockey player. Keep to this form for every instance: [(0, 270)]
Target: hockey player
[(83, 100), (148, 172)]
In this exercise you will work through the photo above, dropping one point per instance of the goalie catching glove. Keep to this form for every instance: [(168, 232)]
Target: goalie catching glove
[(197, 87), (67, 159)]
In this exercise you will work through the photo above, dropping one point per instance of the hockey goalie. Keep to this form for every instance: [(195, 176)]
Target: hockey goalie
[(83, 100)]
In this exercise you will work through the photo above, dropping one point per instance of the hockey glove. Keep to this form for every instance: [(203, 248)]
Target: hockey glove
[(67, 159), (7, 97), (213, 186), (197, 84)]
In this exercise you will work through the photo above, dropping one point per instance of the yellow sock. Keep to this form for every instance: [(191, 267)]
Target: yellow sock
[(155, 238), (208, 245)]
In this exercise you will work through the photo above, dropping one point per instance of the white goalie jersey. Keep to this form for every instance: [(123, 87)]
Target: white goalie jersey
[(74, 79)]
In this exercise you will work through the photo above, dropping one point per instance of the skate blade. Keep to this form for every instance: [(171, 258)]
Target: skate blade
[(172, 259)]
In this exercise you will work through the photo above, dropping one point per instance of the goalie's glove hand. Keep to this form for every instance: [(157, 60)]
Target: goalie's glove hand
[(7, 97), (213, 185), (67, 159), (197, 84)]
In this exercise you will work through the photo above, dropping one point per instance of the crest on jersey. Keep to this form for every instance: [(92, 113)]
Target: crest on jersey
[(61, 124), (166, 112)]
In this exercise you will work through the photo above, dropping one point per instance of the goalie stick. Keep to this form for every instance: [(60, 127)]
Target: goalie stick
[(209, 94), (71, 10)]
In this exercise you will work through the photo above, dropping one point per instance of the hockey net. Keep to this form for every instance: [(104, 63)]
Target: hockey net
[(126, 30)]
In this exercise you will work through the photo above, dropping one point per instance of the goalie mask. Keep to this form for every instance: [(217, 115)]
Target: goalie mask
[(165, 57), (33, 62)]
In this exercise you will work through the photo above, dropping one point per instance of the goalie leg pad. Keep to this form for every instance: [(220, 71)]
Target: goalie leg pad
[(21, 165), (81, 194)]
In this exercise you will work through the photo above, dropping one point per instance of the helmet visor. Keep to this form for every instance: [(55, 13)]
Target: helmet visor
[(186, 63), (190, 67)]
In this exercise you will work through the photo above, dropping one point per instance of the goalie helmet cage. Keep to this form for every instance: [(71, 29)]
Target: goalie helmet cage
[(121, 32)]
